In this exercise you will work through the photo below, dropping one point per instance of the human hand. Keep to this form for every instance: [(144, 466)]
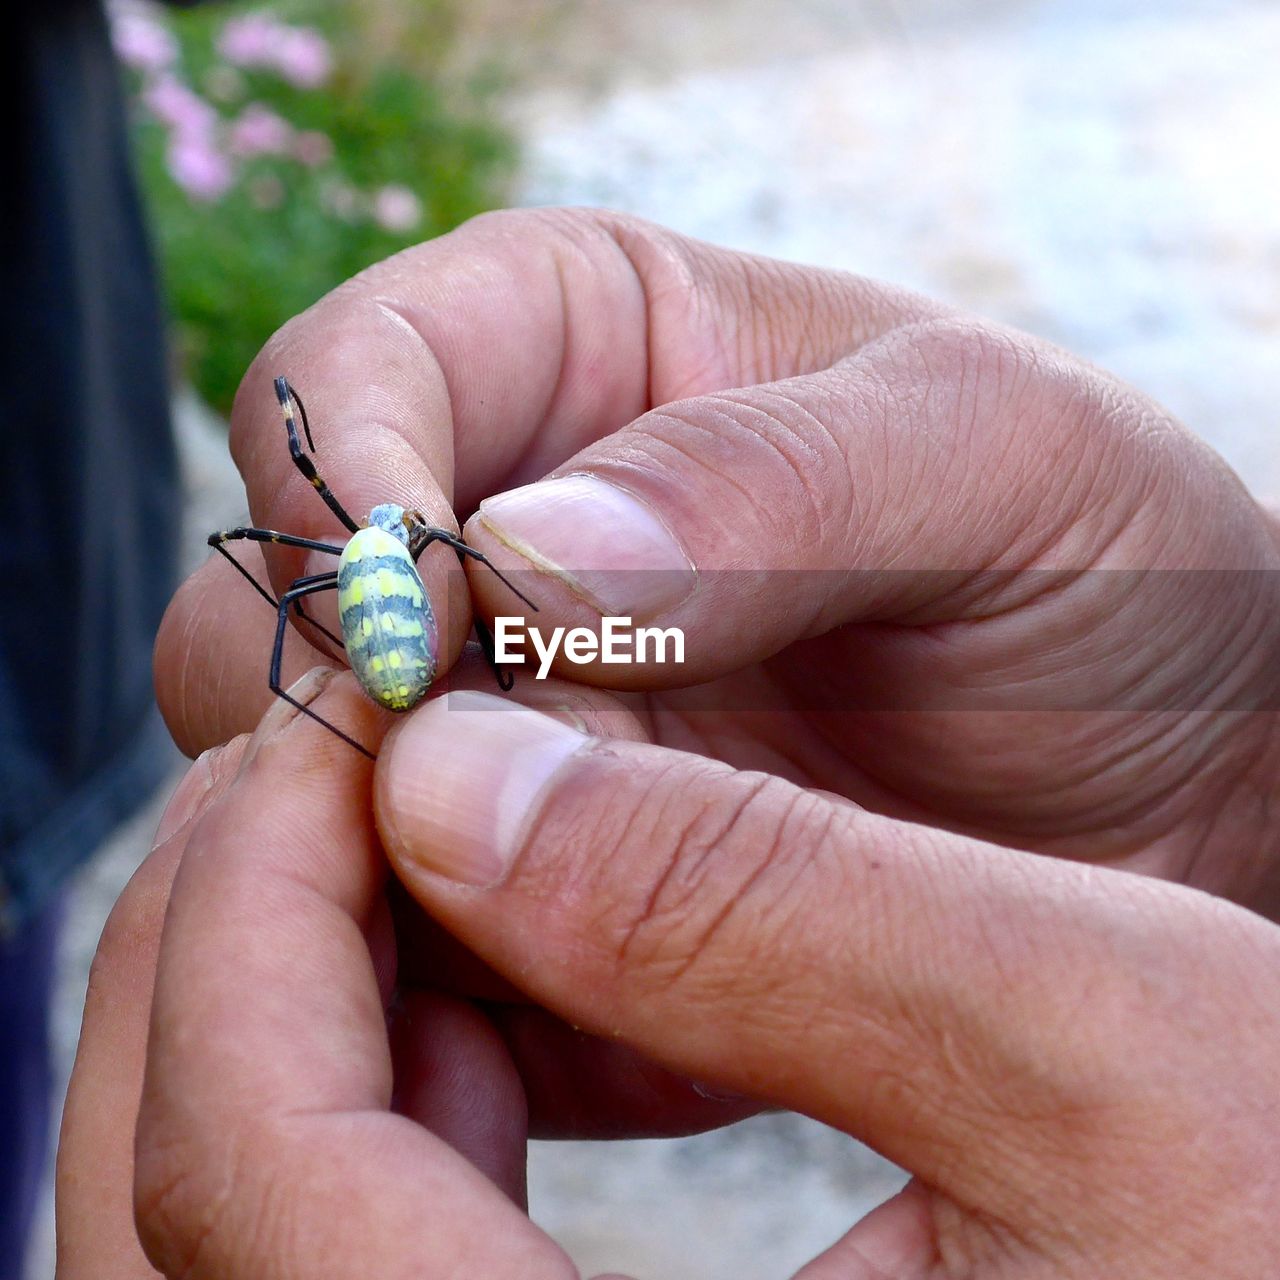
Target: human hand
[(1076, 1064), (479, 1076), (915, 535)]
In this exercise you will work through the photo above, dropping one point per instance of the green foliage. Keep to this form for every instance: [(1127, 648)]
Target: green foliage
[(239, 263)]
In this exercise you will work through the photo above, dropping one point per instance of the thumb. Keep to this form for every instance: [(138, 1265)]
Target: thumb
[(872, 490), (953, 1004)]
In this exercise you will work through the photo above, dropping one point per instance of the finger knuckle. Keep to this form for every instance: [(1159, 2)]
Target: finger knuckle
[(180, 1207), (727, 890), (192, 1208), (502, 224), (556, 226), (966, 372), (964, 367), (788, 319)]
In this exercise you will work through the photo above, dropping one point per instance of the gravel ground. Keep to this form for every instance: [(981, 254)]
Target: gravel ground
[(1099, 171)]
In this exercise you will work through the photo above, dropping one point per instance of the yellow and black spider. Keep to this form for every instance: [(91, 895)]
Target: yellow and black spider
[(389, 629)]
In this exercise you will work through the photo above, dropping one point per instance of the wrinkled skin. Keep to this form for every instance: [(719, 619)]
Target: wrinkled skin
[(876, 430), (1031, 1037)]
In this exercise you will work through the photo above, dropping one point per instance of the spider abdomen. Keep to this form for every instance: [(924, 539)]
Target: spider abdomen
[(388, 627)]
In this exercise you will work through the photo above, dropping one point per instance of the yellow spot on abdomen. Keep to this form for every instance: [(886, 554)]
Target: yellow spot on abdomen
[(390, 639)]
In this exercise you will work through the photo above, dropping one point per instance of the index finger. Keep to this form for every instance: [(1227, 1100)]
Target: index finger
[(479, 360), (265, 1144)]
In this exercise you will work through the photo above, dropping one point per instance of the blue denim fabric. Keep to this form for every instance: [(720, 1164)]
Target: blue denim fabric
[(33, 869), (26, 981), (89, 493), (90, 504)]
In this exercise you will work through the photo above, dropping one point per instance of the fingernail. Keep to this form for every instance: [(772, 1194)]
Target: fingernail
[(280, 714), (461, 782), (186, 798), (604, 543)]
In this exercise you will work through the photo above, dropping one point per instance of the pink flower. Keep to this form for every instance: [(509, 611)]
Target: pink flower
[(313, 148), (198, 167), (396, 208), (141, 42), (258, 131), (182, 109), (250, 41), (303, 57), (300, 54)]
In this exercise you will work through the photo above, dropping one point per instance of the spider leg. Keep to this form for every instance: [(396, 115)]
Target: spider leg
[(300, 612), (506, 681), (432, 534), (304, 587), (427, 534), (216, 541), (305, 616), (288, 397), (221, 549), (270, 535)]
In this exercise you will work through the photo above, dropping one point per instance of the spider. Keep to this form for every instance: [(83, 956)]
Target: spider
[(389, 629)]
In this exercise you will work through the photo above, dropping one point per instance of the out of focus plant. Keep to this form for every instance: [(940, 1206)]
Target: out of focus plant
[(280, 157)]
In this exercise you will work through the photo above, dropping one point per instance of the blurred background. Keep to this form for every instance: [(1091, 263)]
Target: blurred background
[(1099, 172)]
